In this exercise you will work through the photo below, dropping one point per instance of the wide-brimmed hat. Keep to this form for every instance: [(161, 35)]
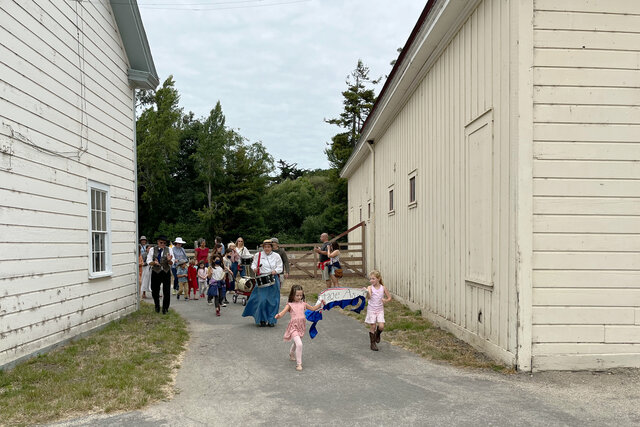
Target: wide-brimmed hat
[(267, 242), (275, 240), (162, 237), (179, 240), (182, 262), (143, 237)]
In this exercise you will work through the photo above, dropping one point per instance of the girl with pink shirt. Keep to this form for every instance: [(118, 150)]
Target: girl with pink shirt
[(378, 296), (297, 325)]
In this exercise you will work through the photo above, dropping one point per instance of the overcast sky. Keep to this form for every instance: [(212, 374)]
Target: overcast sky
[(277, 66)]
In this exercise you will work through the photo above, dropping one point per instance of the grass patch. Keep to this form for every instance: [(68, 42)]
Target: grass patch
[(125, 366), (407, 328)]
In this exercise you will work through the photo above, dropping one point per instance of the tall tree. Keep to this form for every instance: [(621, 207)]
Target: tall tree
[(157, 132)]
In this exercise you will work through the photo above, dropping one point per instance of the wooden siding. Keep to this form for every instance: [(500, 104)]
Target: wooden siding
[(360, 194), (586, 225), (422, 248), (66, 117)]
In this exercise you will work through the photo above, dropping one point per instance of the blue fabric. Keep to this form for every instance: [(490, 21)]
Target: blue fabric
[(316, 316), (264, 303)]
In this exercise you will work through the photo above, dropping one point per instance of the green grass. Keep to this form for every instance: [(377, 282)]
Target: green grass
[(125, 366)]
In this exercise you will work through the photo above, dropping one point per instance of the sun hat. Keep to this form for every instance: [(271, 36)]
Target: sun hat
[(179, 240), (275, 240), (182, 262), (267, 242), (143, 237)]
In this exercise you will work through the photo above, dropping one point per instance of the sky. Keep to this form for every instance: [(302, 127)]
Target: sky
[(278, 67)]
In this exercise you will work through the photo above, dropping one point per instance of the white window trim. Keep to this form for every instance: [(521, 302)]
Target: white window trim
[(108, 272), (413, 174)]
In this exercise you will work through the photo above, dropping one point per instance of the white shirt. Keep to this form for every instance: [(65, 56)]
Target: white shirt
[(244, 252), (268, 263), (150, 255), (217, 273)]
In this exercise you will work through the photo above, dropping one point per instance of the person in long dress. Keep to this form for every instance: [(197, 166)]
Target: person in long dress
[(264, 302), (145, 278)]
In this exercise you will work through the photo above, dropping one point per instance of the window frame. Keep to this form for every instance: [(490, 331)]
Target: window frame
[(106, 232), (413, 178), (391, 200)]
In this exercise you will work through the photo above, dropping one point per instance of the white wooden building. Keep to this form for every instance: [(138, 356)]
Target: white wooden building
[(499, 178), (68, 216)]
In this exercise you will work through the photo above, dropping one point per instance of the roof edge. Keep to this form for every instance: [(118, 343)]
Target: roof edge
[(142, 72)]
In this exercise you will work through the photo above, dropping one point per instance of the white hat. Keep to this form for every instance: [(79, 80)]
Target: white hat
[(179, 240), (275, 240)]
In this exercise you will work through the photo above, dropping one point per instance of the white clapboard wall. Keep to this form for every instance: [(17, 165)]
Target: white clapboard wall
[(66, 117)]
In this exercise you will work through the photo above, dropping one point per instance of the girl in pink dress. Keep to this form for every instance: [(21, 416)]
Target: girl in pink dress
[(297, 325), (378, 296)]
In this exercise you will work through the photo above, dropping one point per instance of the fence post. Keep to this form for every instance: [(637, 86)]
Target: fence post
[(364, 250)]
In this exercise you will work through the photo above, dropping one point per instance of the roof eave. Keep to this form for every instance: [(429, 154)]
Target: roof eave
[(142, 72)]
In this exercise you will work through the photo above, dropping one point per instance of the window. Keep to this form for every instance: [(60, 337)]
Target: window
[(369, 210), (360, 213), (412, 188), (99, 230), (391, 208)]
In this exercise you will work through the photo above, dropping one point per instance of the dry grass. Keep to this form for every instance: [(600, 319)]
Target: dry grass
[(409, 329), (125, 366)]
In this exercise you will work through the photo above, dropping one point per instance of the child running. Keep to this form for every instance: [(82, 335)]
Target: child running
[(297, 324), (378, 296), (192, 275), (202, 279), (216, 281)]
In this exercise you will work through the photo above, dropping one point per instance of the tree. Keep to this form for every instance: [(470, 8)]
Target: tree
[(358, 102), (288, 171), (157, 133)]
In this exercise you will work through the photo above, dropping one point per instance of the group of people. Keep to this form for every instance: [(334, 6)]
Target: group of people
[(213, 273)]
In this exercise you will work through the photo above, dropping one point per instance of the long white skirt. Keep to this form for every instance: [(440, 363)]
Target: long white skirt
[(145, 282)]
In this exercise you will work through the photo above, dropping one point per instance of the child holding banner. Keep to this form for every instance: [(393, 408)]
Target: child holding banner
[(297, 324), (378, 296)]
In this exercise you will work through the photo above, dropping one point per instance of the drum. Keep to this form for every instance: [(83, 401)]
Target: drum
[(265, 280), (245, 284), (246, 261)]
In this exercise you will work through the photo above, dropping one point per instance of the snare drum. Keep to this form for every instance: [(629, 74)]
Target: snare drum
[(246, 261), (265, 280)]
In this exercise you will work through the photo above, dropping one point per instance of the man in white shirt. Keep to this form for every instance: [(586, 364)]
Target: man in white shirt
[(160, 258)]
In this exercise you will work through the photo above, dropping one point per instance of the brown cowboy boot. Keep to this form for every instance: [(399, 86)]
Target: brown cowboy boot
[(378, 333), (372, 338)]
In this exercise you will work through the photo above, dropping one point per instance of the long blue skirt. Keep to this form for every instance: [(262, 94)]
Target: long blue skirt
[(264, 303)]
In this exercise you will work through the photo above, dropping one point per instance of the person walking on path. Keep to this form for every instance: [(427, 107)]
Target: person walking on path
[(160, 258), (202, 279), (297, 325), (216, 281), (378, 297), (145, 276), (183, 279), (323, 259), (264, 301), (202, 253), (193, 278), (243, 252), (234, 257), (285, 259)]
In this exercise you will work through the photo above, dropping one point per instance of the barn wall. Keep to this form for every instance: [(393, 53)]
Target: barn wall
[(66, 117), (451, 252), (586, 264)]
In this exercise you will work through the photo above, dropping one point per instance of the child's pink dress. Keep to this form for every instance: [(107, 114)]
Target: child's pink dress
[(298, 322)]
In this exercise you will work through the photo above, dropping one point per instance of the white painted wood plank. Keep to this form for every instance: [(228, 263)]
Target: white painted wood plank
[(586, 169), (586, 77), (585, 279), (586, 361), (581, 95), (583, 58), (543, 315), (587, 242), (637, 321), (590, 205), (586, 21), (27, 348), (585, 132), (586, 187), (589, 114), (585, 151), (586, 40), (550, 349), (586, 260), (585, 224), (567, 333), (586, 297), (609, 7), (622, 334)]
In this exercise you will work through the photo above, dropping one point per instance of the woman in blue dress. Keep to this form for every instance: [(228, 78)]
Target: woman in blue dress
[(264, 302)]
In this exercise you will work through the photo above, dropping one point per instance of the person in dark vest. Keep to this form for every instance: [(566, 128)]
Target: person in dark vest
[(160, 258)]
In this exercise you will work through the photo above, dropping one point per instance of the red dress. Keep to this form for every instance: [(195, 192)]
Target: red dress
[(298, 323), (192, 275)]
